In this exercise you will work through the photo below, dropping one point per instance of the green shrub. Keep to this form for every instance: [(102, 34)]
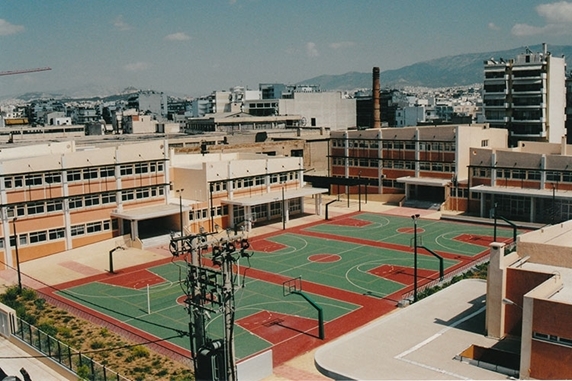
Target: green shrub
[(97, 344), (29, 294), (140, 351)]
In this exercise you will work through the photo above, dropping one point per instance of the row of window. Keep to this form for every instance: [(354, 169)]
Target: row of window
[(247, 182), (524, 174), (552, 338), (395, 144), (57, 205), (434, 166), (72, 175), (202, 214), (60, 233)]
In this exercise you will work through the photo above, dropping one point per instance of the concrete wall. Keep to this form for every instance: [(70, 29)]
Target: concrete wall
[(329, 109)]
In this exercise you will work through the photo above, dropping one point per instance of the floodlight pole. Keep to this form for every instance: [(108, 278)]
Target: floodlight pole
[(180, 192), (415, 217), (17, 256), (283, 210)]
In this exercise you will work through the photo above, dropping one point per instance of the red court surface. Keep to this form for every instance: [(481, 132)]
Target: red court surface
[(350, 222), (276, 327), (137, 279), (400, 274), (266, 246), (324, 258)]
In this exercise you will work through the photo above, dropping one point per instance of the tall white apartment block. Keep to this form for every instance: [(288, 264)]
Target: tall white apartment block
[(527, 96)]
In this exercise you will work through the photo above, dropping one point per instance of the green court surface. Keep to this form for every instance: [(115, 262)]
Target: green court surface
[(355, 267)]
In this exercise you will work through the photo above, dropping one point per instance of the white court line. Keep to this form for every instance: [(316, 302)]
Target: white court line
[(430, 339)]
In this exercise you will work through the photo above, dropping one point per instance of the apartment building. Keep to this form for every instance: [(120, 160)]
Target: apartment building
[(527, 96), (423, 163), (531, 182), (528, 299)]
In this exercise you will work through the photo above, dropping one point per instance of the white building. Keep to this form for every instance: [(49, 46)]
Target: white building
[(526, 95)]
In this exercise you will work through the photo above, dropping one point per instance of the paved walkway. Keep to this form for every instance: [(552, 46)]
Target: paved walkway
[(94, 259)]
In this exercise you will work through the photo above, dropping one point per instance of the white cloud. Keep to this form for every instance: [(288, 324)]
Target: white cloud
[(493, 26), (342, 44), (311, 50), (180, 36), (556, 13), (558, 17), (120, 24), (526, 30), (6, 28), (136, 66)]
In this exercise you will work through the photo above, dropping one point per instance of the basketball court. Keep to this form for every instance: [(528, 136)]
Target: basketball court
[(356, 268)]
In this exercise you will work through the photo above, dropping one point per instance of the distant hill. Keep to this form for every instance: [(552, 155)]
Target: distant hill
[(451, 71)]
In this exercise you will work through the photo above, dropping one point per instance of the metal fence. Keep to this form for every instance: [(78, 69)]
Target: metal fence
[(82, 365), (446, 279)]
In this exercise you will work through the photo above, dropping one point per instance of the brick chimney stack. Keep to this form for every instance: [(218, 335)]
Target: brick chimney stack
[(375, 99)]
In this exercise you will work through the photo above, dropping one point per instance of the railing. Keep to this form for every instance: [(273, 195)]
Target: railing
[(159, 347), (446, 279), (80, 364)]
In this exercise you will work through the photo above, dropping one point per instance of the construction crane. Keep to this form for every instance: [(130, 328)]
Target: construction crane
[(12, 72)]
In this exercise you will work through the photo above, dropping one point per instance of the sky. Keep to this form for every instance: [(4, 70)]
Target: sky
[(191, 47)]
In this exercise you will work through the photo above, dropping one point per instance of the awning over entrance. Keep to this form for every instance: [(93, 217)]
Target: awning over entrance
[(423, 181), (150, 212), (527, 192), (274, 196)]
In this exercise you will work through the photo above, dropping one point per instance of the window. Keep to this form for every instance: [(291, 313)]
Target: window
[(53, 177), (75, 202), (35, 207), (74, 175), (93, 227), (108, 198), (40, 236), (485, 143), (142, 193), (54, 205), (141, 168), (91, 199), (127, 195), (77, 230), (89, 173), (107, 172), (32, 180), (58, 233), (126, 170)]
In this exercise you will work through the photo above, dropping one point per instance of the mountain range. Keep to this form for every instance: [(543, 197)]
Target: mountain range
[(450, 71)]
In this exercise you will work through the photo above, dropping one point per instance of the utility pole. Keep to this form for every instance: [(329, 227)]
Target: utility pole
[(210, 290)]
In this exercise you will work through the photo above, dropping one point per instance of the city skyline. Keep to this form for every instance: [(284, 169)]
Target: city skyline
[(193, 48)]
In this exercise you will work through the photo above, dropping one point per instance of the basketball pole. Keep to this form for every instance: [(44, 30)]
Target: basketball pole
[(415, 217), (148, 301)]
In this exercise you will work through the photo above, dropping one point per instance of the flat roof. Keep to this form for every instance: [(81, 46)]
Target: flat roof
[(418, 342), (547, 193), (424, 181), (149, 212), (274, 196), (564, 295)]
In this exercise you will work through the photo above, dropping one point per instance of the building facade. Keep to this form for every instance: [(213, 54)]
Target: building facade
[(422, 163), (58, 196), (527, 96), (531, 182), (528, 298)]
